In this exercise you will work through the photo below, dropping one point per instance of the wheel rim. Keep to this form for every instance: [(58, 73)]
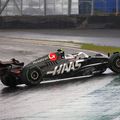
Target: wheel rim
[(118, 63), (34, 75)]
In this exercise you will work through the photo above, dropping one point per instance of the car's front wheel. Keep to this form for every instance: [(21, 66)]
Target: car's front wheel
[(114, 62), (31, 76)]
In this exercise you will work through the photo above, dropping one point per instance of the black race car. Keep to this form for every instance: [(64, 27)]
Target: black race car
[(57, 65)]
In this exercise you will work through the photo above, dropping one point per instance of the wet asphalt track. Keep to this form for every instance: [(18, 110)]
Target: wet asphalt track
[(96, 98), (97, 36)]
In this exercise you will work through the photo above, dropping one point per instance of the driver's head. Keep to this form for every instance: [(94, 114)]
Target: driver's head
[(61, 52)]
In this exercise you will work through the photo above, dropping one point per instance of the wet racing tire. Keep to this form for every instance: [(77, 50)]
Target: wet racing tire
[(9, 80), (114, 62), (31, 76)]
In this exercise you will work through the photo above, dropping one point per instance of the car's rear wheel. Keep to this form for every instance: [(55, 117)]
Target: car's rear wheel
[(31, 76), (114, 62), (9, 80)]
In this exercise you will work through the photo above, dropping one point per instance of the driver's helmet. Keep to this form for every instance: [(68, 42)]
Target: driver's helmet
[(61, 53)]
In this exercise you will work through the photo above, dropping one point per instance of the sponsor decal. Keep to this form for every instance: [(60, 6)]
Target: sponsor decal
[(53, 56), (66, 67), (40, 60)]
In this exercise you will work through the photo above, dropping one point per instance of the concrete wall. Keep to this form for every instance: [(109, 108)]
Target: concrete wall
[(60, 22), (37, 22)]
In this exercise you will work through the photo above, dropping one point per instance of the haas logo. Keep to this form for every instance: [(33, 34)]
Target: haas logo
[(66, 67), (52, 56)]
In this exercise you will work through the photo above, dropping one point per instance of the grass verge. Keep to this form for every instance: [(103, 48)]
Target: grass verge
[(103, 49)]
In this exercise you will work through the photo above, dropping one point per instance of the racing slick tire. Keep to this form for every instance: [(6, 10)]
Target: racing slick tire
[(114, 62), (31, 76), (9, 80)]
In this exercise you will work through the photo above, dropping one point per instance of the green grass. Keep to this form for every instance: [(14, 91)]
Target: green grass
[(103, 49)]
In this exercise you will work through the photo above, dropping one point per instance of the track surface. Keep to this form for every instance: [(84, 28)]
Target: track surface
[(101, 37), (96, 98)]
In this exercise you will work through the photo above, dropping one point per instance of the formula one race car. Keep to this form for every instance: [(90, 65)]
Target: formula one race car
[(57, 65)]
